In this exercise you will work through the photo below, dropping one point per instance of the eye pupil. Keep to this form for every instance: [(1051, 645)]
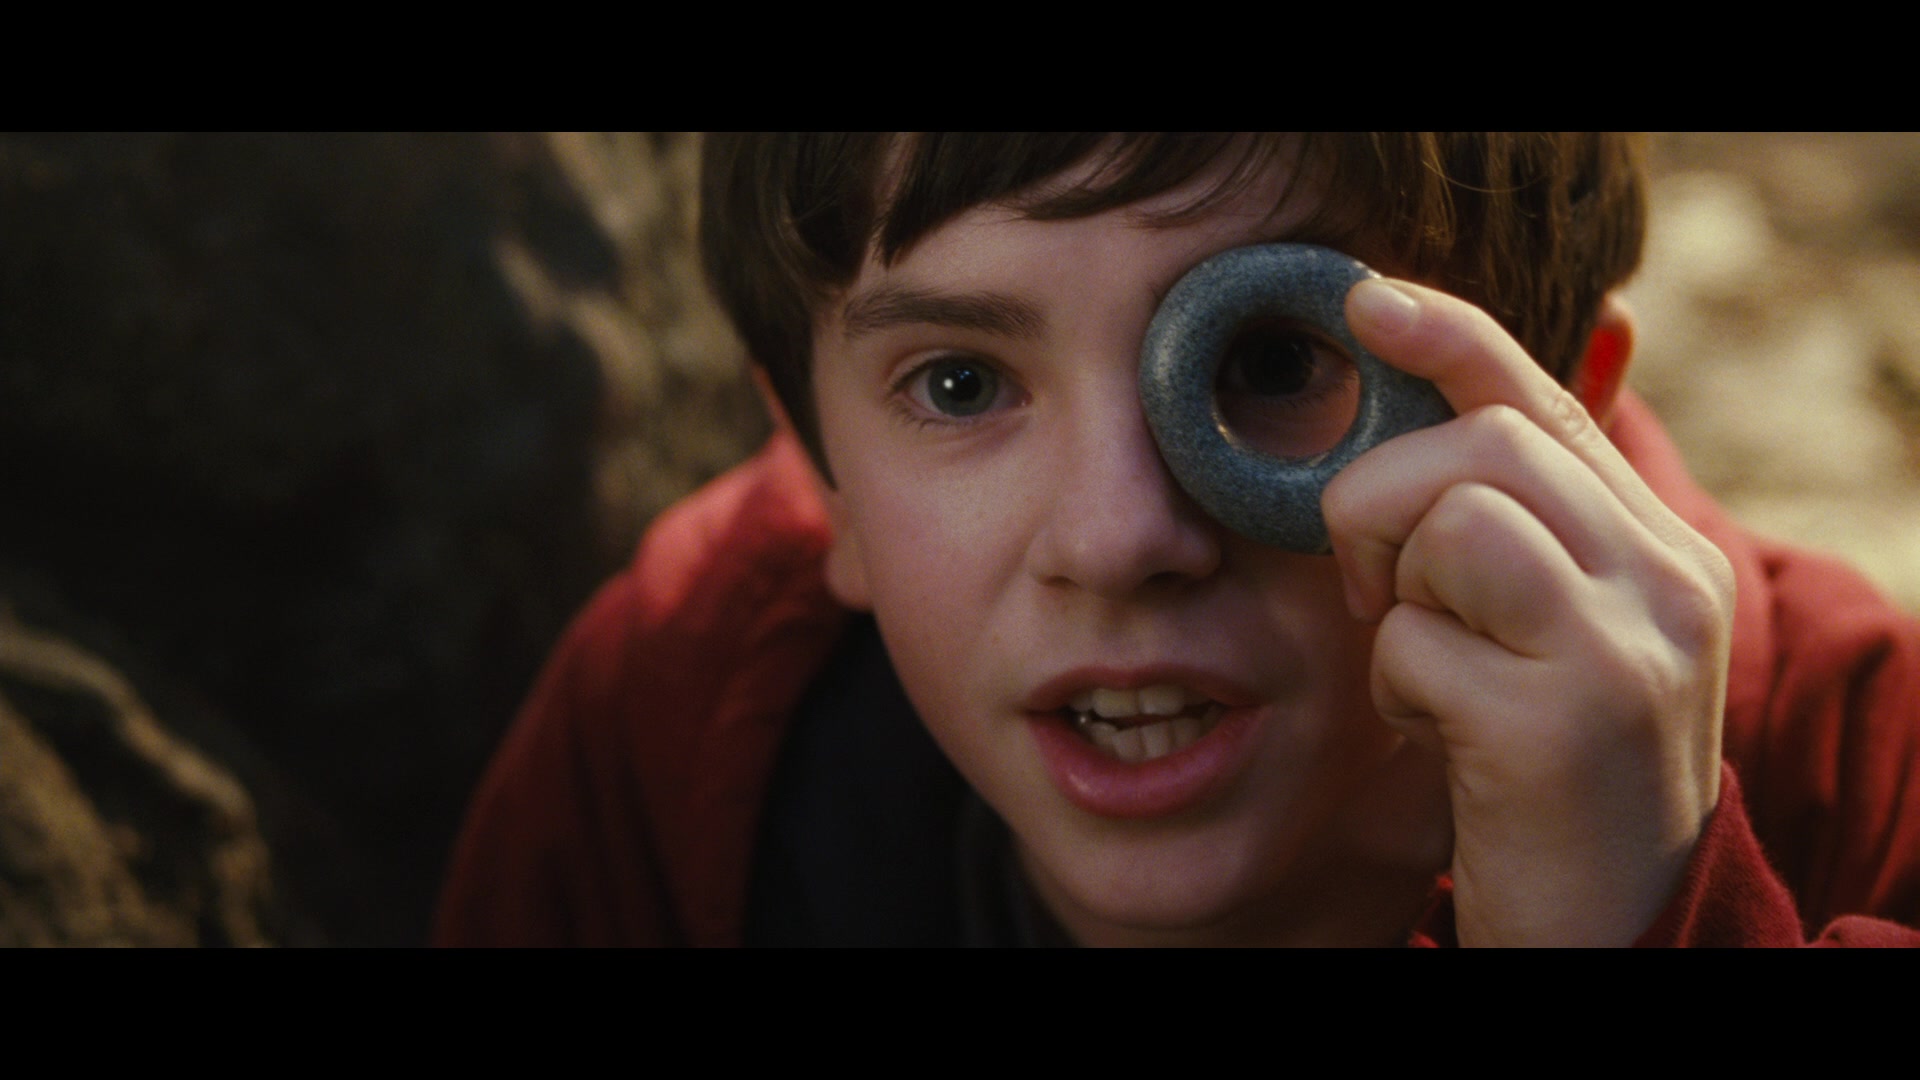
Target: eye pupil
[(1272, 366), (1286, 391), (962, 389)]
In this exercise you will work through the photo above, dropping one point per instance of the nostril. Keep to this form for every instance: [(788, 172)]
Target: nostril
[(1167, 579)]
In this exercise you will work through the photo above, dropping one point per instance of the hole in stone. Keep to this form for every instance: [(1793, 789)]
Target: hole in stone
[(1286, 391)]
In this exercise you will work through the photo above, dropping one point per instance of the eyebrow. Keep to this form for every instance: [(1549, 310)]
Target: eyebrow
[(899, 305)]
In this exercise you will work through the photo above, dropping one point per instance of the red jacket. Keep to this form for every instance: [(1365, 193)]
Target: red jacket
[(622, 807)]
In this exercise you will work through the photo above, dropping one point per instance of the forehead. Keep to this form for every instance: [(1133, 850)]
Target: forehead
[(1146, 243)]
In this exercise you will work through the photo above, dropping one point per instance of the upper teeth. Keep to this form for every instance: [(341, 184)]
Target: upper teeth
[(1165, 699)]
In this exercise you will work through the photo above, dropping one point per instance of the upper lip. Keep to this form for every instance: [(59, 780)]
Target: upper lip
[(1057, 692)]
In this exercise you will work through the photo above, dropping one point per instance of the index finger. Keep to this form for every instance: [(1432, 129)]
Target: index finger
[(1475, 363)]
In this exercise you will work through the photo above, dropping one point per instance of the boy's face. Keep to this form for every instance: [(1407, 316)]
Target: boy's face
[(1003, 510)]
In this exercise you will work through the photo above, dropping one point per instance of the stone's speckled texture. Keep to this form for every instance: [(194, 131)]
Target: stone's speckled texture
[(1272, 500)]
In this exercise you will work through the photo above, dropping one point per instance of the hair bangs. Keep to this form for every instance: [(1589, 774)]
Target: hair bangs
[(1534, 227), (939, 175)]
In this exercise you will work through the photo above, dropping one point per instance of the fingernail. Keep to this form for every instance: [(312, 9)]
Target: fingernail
[(1383, 305)]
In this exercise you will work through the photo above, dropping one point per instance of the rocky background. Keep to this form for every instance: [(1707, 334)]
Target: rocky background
[(1780, 334), (310, 444)]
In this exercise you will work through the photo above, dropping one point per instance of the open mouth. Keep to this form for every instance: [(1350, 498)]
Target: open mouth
[(1144, 724)]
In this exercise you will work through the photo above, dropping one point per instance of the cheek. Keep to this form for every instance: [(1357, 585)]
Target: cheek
[(1359, 739), (1303, 593), (1347, 651), (945, 559), (935, 543)]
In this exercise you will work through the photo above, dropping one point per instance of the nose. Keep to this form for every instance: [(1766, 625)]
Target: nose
[(1118, 524)]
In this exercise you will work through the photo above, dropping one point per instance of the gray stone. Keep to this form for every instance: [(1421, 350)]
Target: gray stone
[(1271, 500)]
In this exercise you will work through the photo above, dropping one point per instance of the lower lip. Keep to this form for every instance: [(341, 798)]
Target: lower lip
[(1165, 786)]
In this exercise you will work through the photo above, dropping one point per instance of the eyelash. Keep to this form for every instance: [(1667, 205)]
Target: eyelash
[(1332, 372)]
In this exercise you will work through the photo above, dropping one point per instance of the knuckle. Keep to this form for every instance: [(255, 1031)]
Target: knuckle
[(1499, 436), (1663, 668), (1698, 613), (1674, 660), (1497, 426), (1460, 516), (1501, 427), (1395, 640), (1638, 680), (1694, 594), (1569, 418)]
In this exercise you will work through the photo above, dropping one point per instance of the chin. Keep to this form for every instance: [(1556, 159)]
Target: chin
[(1184, 890)]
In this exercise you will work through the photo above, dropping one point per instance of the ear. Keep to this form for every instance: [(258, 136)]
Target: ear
[(1602, 370), (846, 568), (768, 398), (846, 565)]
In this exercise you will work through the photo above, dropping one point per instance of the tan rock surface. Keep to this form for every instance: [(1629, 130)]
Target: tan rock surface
[(1780, 335), (113, 831)]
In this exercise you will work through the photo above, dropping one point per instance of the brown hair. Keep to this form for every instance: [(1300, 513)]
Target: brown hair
[(1534, 227)]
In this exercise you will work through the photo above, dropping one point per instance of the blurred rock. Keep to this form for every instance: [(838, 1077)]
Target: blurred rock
[(1780, 337), (327, 436), (112, 831)]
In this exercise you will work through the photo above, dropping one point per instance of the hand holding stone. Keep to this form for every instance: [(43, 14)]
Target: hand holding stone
[(1268, 499)]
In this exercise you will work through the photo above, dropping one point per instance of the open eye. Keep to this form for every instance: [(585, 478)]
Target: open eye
[(956, 386), (1285, 391)]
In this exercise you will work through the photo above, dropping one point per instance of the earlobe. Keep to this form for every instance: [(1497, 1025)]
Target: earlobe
[(1603, 367), (764, 384), (846, 568)]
